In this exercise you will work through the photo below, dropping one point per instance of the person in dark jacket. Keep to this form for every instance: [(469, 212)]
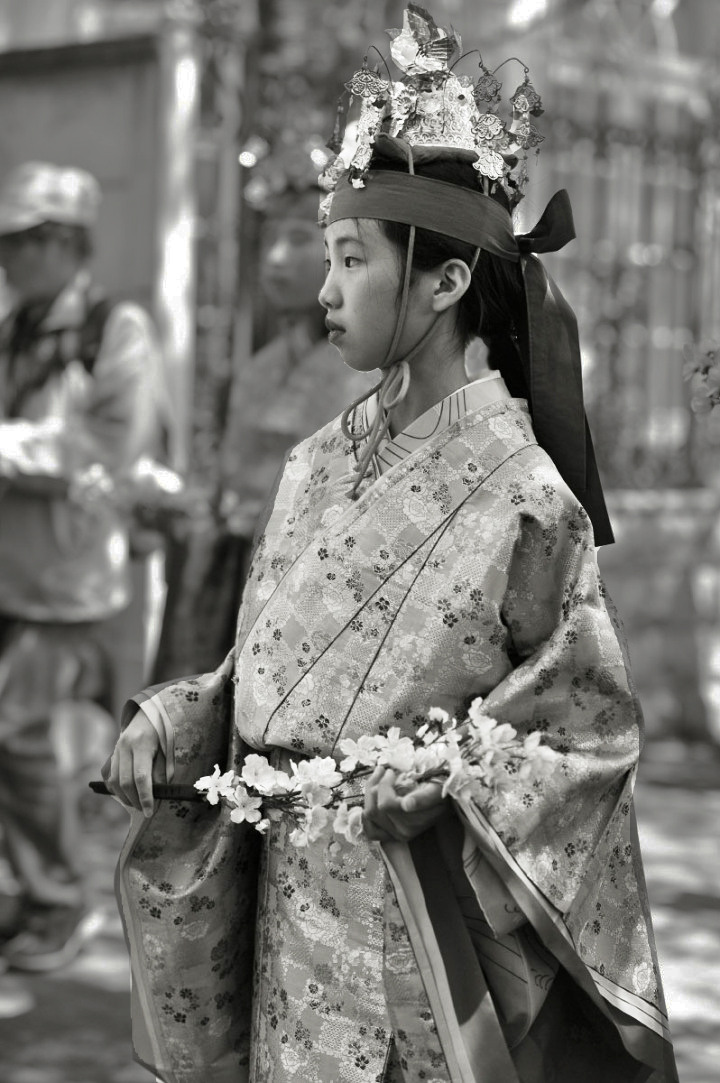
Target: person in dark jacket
[(78, 381)]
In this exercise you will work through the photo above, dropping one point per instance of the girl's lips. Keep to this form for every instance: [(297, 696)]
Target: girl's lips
[(335, 331)]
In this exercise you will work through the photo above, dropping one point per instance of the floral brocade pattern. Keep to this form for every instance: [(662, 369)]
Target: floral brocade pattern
[(466, 570), (469, 569), (319, 1004), (331, 950), (192, 879)]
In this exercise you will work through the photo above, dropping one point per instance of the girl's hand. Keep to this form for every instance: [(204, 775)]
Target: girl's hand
[(135, 763), (389, 815)]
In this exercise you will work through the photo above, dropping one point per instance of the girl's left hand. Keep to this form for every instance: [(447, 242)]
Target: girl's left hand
[(390, 816)]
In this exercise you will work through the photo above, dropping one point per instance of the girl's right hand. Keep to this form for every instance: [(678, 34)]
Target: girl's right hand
[(135, 764)]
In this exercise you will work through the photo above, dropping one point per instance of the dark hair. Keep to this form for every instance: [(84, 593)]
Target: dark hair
[(493, 307)]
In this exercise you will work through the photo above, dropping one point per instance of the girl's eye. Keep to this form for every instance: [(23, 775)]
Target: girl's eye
[(327, 267), (350, 261)]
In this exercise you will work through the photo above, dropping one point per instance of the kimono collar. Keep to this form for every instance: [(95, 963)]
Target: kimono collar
[(435, 420)]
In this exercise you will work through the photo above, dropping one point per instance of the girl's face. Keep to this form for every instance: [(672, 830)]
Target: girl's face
[(360, 295)]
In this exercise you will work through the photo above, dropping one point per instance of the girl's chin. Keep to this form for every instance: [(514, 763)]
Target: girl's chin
[(352, 360)]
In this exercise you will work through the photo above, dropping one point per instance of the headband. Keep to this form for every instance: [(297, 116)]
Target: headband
[(461, 213)]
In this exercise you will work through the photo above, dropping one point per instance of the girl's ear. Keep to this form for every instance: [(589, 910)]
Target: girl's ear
[(451, 280)]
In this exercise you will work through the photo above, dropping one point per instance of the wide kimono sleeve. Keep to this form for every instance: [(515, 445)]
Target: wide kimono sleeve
[(560, 850), (571, 682), (562, 938), (187, 886)]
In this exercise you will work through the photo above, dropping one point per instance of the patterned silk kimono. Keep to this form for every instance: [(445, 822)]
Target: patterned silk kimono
[(509, 944)]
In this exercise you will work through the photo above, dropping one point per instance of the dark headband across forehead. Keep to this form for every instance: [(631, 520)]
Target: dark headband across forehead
[(449, 209)]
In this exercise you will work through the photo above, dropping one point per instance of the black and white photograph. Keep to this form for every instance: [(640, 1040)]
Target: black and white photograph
[(359, 541)]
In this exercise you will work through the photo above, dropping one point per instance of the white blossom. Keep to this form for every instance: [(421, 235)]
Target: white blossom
[(468, 761), (398, 752), (258, 773), (429, 758), (246, 806), (436, 714), (349, 822), (216, 785), (364, 751), (315, 824), (318, 771), (315, 794)]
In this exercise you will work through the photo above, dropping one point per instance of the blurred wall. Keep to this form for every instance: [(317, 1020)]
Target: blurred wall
[(95, 106)]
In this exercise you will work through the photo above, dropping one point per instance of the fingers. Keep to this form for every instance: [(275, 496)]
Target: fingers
[(390, 815), (425, 796), (375, 820), (131, 767)]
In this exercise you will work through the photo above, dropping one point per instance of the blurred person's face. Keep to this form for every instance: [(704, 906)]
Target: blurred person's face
[(291, 267), (37, 262)]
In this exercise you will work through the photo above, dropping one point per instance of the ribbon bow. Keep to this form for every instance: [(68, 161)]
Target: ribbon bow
[(554, 229)]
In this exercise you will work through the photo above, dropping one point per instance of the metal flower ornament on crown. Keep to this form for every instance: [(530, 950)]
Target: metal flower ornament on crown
[(432, 107), (432, 114)]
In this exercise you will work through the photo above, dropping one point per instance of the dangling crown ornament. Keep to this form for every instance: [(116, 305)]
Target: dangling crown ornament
[(431, 107)]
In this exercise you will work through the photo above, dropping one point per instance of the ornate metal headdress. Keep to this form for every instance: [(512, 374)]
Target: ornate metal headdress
[(432, 108)]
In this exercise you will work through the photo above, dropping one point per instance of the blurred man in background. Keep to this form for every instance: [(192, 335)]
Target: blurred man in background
[(79, 392)]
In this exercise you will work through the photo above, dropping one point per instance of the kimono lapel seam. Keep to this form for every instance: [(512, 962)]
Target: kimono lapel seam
[(440, 531), (392, 477), (440, 528), (379, 490)]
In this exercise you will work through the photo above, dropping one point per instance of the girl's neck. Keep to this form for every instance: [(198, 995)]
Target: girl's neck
[(434, 374)]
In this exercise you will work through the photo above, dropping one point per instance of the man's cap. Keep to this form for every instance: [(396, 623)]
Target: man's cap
[(38, 192)]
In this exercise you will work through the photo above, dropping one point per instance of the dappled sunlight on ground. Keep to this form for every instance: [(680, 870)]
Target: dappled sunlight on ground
[(678, 831)]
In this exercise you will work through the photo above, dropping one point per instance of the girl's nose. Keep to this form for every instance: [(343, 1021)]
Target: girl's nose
[(328, 296)]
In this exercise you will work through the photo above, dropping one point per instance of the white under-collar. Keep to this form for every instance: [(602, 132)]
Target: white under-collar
[(487, 388)]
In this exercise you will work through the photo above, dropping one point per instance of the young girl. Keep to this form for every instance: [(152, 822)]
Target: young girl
[(433, 545)]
